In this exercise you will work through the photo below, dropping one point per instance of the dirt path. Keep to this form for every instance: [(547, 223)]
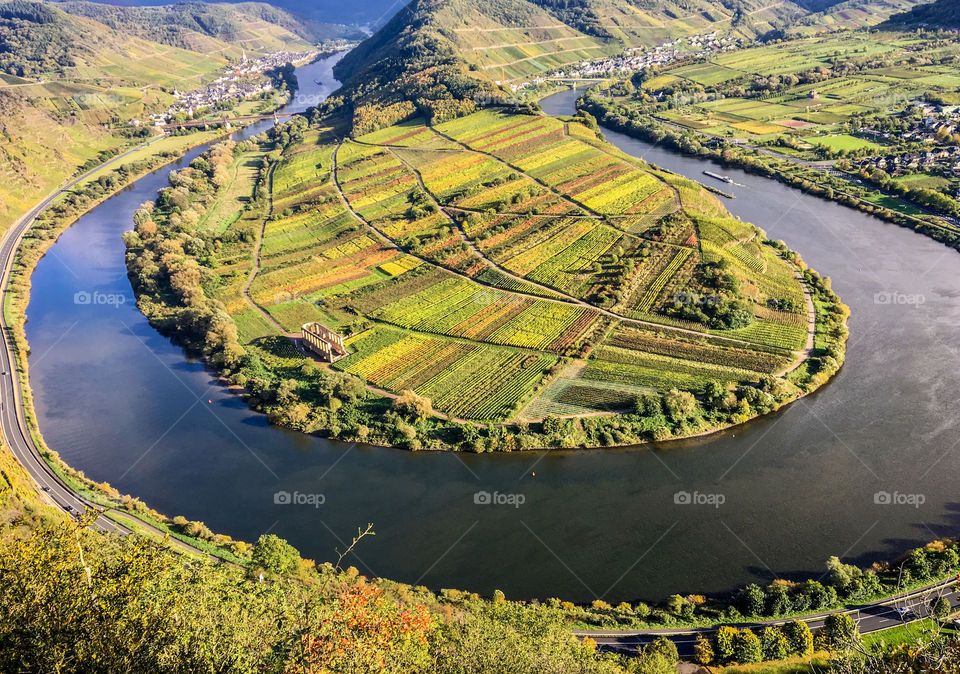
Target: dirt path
[(470, 244), (517, 169), (811, 327), (627, 159), (256, 261), (569, 299)]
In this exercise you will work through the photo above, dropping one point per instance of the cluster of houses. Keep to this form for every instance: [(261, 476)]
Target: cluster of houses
[(945, 160), (244, 79), (638, 58), (934, 126), (933, 122)]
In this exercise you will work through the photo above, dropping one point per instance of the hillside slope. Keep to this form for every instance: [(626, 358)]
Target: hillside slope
[(69, 83), (443, 57), (939, 14), (46, 39)]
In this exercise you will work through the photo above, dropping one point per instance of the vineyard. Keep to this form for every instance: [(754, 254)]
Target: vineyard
[(461, 378), (505, 266)]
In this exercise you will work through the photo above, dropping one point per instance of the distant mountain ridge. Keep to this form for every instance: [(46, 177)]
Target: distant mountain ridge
[(45, 37), (215, 20), (373, 12)]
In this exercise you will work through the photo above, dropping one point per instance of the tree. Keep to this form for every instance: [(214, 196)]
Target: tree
[(774, 644), (752, 600), (702, 651), (799, 638), (747, 647), (657, 657), (679, 405), (819, 596), (840, 575), (840, 631), (675, 603), (664, 647), (648, 404), (412, 406), (723, 643), (940, 608), (778, 600), (272, 553)]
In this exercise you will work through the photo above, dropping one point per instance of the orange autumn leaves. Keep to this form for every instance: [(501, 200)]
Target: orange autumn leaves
[(367, 633)]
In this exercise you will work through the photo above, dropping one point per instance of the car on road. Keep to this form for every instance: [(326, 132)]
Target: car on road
[(45, 488)]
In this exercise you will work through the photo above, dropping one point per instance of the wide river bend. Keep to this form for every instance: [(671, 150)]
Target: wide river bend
[(124, 405)]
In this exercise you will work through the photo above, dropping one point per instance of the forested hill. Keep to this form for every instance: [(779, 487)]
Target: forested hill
[(38, 38), (440, 57), (939, 14), (174, 24)]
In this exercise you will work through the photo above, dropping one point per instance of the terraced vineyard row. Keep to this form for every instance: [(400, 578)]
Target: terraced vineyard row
[(461, 378)]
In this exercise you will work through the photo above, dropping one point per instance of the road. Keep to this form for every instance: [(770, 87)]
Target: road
[(13, 422), (222, 120), (871, 617)]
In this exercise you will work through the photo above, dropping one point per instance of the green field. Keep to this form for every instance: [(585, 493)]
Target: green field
[(844, 142), (476, 258)]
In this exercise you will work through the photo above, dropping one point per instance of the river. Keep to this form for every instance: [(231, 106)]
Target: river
[(123, 404)]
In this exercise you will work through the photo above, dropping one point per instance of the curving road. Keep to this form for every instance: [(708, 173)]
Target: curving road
[(13, 422), (904, 608)]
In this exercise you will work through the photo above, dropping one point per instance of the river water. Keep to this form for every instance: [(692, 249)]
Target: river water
[(124, 405)]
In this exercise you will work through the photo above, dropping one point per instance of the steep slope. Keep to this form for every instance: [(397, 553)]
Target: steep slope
[(442, 57), (39, 38), (939, 14), (850, 15), (69, 83), (369, 12), (252, 25)]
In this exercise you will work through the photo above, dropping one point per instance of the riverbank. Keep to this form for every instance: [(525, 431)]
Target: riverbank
[(811, 181), (42, 231)]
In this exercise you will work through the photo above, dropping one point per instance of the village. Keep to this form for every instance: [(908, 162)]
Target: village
[(639, 58), (245, 79)]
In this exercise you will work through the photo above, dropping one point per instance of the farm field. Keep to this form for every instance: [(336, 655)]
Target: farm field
[(473, 262), (886, 78)]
